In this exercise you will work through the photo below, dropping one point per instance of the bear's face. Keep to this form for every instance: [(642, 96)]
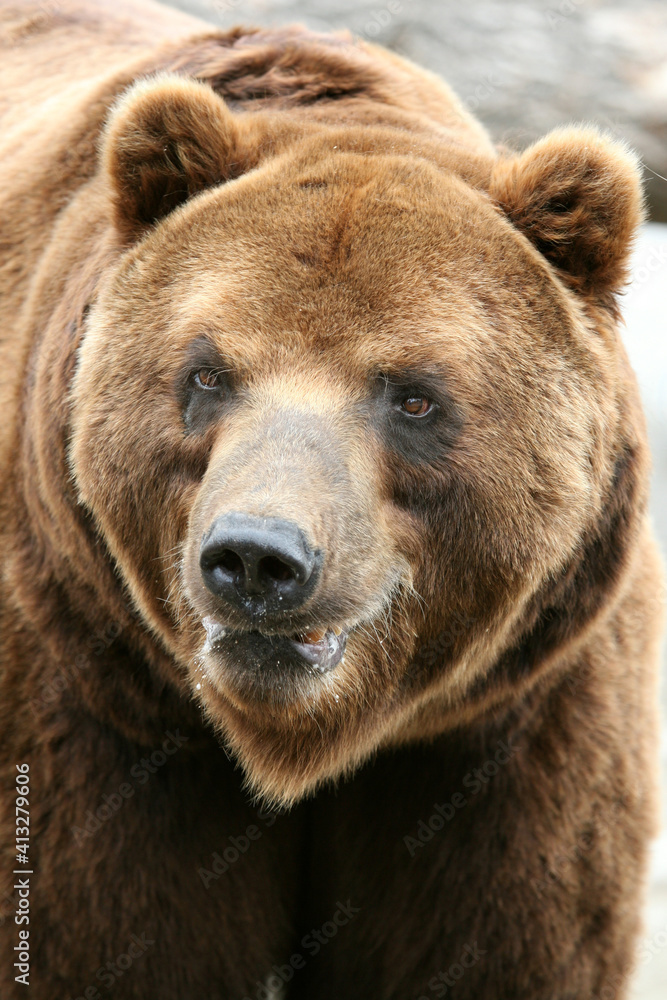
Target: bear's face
[(339, 421)]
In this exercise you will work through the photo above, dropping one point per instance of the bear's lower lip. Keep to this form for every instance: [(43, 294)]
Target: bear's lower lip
[(318, 649), (324, 654)]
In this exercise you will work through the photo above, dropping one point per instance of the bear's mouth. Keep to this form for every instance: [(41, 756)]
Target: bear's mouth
[(324, 648), (319, 650)]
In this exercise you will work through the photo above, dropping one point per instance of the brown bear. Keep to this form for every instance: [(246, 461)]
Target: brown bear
[(329, 609)]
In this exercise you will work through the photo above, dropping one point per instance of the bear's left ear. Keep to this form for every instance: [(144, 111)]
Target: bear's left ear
[(577, 196), (167, 138)]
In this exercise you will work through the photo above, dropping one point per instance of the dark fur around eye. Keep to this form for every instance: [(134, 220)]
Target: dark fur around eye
[(204, 385), (422, 439)]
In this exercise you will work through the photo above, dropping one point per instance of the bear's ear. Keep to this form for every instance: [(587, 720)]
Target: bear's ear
[(577, 196), (166, 139)]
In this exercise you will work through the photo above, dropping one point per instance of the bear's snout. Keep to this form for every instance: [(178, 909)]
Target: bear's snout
[(258, 565)]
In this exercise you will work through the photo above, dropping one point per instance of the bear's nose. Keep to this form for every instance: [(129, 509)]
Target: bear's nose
[(263, 560)]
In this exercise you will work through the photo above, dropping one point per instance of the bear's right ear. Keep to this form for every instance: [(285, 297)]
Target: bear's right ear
[(576, 194), (167, 138)]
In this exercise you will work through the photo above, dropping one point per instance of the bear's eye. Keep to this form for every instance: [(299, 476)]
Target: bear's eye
[(207, 378), (417, 406)]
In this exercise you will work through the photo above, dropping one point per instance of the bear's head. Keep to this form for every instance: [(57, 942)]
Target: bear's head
[(352, 416)]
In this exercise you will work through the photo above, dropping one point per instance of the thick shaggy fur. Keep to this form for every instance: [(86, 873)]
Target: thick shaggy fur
[(463, 804)]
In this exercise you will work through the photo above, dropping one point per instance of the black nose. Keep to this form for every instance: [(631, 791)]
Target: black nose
[(258, 560)]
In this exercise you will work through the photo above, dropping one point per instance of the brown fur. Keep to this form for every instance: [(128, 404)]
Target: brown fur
[(325, 223)]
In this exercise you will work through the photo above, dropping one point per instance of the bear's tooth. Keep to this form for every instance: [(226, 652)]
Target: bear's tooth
[(315, 635)]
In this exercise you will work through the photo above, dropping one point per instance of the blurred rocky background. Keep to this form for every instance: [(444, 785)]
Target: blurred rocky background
[(524, 67)]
